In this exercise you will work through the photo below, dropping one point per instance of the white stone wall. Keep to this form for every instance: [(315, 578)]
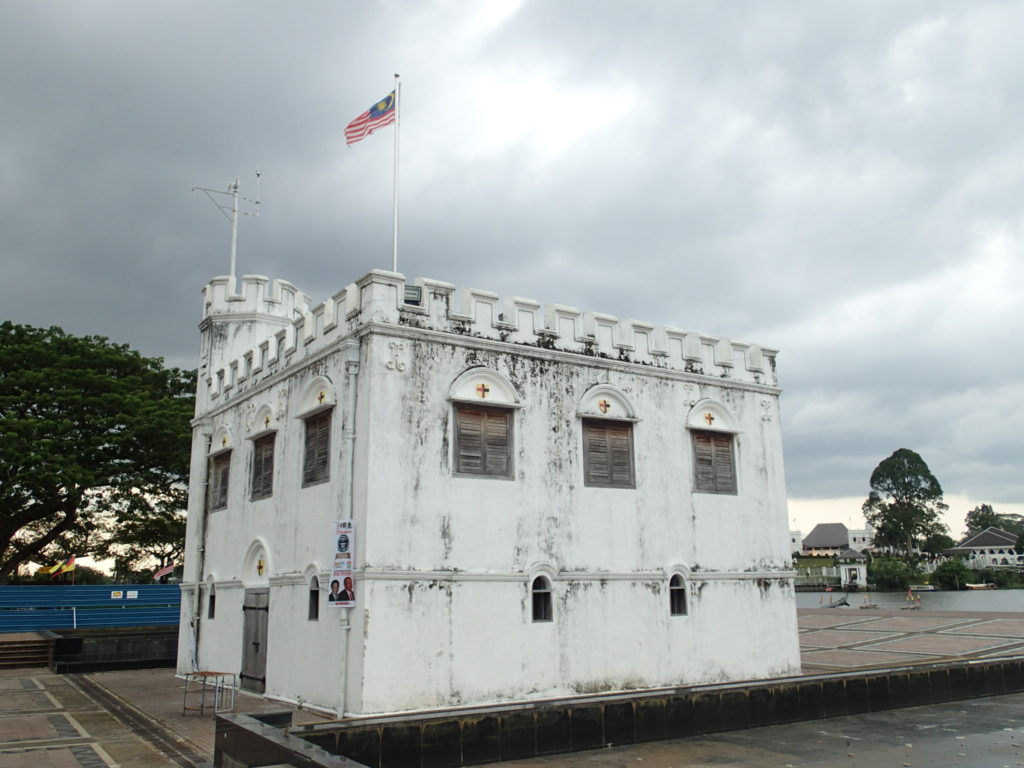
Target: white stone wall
[(445, 563)]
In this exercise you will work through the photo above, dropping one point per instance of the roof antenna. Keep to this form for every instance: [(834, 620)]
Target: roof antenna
[(231, 212)]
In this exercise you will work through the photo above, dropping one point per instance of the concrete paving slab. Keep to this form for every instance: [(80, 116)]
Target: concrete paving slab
[(833, 638), (939, 645), (914, 623), (806, 620), (1002, 627), (852, 659)]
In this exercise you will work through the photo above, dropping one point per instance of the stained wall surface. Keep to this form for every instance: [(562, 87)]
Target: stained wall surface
[(445, 563)]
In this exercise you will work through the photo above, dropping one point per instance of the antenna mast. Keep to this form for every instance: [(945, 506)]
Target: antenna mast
[(231, 212)]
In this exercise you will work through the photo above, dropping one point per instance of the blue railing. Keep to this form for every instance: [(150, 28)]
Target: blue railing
[(26, 608)]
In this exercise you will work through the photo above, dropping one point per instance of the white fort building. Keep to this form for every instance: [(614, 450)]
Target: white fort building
[(537, 501)]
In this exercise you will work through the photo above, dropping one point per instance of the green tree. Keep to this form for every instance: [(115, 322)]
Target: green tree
[(889, 573), (937, 543), (90, 431), (982, 517), (952, 574), (905, 502), (143, 528), (1019, 546)]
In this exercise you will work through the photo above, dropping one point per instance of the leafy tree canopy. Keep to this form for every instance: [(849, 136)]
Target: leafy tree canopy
[(937, 543), (952, 574), (887, 573), (984, 516), (905, 502), (94, 441)]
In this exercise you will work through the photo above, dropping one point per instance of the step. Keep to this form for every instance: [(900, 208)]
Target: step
[(25, 663), (25, 653)]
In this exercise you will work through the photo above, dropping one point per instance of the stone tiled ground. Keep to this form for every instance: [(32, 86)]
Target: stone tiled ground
[(838, 639), (134, 719)]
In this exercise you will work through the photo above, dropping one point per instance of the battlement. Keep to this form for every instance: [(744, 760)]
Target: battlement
[(382, 297), (256, 295)]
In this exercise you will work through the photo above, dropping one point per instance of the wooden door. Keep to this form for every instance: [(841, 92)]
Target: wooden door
[(255, 612)]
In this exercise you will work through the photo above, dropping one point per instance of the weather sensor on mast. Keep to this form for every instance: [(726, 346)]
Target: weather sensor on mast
[(231, 212)]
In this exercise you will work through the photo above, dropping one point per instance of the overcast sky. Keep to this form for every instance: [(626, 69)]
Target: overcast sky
[(841, 181)]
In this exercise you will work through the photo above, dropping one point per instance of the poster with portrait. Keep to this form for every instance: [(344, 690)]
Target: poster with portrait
[(343, 543)]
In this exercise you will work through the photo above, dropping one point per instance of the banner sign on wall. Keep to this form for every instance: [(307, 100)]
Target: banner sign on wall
[(343, 594)]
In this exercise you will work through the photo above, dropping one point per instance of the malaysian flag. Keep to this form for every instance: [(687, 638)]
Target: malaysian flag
[(163, 571), (380, 114)]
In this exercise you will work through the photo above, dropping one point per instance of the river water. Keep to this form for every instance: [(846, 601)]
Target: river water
[(968, 600)]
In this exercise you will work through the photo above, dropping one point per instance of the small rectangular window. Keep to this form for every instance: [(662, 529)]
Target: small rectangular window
[(483, 441), (677, 596), (541, 591), (263, 467), (314, 599), (315, 466), (608, 453), (714, 467), (217, 484)]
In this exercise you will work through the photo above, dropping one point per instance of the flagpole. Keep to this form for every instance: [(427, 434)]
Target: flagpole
[(398, 122)]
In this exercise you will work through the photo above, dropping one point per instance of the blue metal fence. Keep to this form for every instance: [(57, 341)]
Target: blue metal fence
[(26, 608)]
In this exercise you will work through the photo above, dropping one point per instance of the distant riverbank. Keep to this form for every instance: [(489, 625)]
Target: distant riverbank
[(982, 600)]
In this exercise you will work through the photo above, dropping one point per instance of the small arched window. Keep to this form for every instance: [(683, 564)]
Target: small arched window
[(314, 599), (541, 591), (211, 603), (677, 595)]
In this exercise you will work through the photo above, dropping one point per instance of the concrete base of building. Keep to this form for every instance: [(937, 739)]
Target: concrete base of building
[(513, 731)]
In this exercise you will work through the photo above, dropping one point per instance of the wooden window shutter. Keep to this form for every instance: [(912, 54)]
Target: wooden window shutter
[(483, 441), (704, 463), (218, 480), (595, 458), (620, 454), (469, 441), (263, 467), (496, 443), (714, 471), (725, 474), (316, 467), (608, 453)]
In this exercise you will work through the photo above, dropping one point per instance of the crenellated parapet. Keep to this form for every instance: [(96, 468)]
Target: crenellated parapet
[(254, 294), (282, 328)]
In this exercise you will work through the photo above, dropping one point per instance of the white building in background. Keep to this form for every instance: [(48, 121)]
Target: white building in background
[(990, 548), (796, 539), (544, 501)]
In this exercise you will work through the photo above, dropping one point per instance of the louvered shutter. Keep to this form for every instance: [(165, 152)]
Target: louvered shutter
[(263, 467), (469, 441), (620, 454), (725, 475), (608, 453), (496, 443), (483, 441), (704, 462), (218, 480), (595, 453), (715, 471), (315, 465)]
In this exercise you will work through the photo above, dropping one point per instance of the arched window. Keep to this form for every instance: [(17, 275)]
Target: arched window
[(314, 599), (211, 603), (677, 595), (541, 590)]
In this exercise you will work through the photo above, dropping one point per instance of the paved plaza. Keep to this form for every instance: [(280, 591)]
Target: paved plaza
[(845, 639), (134, 718)]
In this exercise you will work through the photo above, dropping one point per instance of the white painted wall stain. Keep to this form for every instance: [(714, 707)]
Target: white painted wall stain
[(443, 601)]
